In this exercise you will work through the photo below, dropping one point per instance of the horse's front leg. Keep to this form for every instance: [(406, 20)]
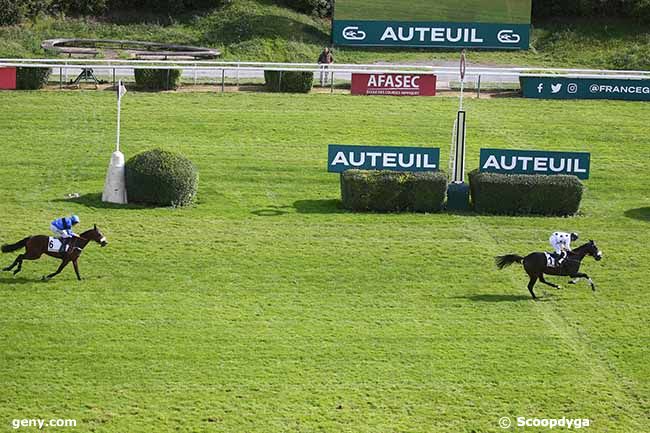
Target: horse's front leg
[(576, 276), (76, 269), (64, 263)]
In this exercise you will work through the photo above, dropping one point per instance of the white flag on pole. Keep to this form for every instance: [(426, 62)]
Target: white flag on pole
[(121, 90)]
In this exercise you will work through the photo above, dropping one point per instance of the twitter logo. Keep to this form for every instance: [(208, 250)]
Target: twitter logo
[(555, 88)]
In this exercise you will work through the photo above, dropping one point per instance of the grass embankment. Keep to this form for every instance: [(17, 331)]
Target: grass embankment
[(255, 30), (490, 11), (265, 308)]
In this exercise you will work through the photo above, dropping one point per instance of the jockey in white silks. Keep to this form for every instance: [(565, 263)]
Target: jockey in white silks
[(561, 243)]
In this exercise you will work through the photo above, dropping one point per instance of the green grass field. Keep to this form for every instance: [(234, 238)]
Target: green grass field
[(490, 11), (266, 308)]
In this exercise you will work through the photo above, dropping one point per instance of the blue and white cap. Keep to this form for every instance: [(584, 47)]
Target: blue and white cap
[(74, 219)]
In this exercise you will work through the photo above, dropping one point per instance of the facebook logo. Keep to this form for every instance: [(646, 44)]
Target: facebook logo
[(540, 87)]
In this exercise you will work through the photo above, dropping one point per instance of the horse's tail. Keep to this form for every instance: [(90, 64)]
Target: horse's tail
[(507, 260), (7, 248)]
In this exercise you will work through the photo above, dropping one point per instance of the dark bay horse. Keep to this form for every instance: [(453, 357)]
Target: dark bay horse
[(36, 246), (535, 265)]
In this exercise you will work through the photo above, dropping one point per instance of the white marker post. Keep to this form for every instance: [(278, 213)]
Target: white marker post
[(458, 174), (115, 185), (458, 191)]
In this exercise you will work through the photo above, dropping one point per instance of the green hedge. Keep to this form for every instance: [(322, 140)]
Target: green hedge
[(321, 8), (289, 81), (521, 194), (158, 79), (392, 191), (14, 11), (31, 78), (162, 178)]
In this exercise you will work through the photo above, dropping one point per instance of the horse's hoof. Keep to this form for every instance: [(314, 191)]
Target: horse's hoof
[(559, 287), (572, 282), (44, 278)]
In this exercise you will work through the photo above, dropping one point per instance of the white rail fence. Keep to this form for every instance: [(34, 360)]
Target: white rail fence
[(220, 70)]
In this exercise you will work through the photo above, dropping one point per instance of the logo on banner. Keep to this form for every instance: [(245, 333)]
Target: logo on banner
[(555, 88), (508, 37), (352, 33)]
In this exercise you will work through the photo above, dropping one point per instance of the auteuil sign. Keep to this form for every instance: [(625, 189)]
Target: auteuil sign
[(535, 162), (430, 34), (342, 157)]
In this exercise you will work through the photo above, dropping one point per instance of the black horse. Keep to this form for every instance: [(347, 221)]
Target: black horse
[(536, 266), (36, 246)]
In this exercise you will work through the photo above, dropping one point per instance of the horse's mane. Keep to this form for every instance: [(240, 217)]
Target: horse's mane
[(86, 232)]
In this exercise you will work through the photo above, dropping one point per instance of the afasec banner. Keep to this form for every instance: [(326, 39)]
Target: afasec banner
[(342, 157), (535, 162), (394, 84), (430, 34), (584, 88)]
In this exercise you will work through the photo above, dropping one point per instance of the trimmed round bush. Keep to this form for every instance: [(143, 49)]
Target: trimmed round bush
[(393, 191), (522, 194), (31, 78), (157, 79), (159, 177), (289, 81)]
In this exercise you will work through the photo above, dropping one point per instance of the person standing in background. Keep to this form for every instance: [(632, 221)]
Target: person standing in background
[(324, 60)]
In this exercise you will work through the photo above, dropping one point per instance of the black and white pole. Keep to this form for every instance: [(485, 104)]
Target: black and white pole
[(115, 185), (458, 191)]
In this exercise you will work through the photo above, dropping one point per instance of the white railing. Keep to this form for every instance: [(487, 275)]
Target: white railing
[(342, 71)]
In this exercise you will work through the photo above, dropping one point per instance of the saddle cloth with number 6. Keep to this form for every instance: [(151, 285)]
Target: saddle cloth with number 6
[(54, 245)]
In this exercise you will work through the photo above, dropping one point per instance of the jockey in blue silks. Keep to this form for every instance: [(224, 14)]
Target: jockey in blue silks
[(62, 227)]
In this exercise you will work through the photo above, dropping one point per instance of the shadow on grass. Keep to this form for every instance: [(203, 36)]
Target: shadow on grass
[(640, 213), (326, 206), (10, 281), (271, 211), (502, 93), (497, 298), (94, 200)]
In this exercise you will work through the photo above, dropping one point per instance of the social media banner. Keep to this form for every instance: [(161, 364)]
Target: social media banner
[(544, 87)]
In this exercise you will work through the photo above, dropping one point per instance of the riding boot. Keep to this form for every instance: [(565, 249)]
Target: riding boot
[(64, 243)]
